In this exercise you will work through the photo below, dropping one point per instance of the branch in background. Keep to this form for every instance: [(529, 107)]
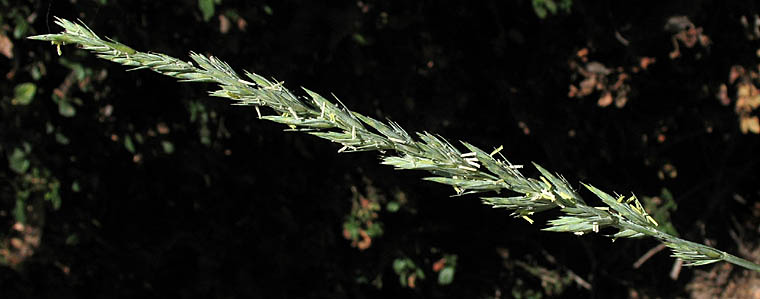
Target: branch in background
[(473, 171), (650, 253)]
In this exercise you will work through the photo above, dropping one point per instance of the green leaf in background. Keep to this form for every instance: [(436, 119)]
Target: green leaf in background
[(18, 162), (543, 8), (66, 109), (75, 186), (399, 265), (420, 274), (18, 210), (21, 28), (62, 139), (359, 39), (24, 93), (352, 229), (393, 206), (52, 195), (72, 239), (268, 10), (446, 276), (128, 144), (207, 9), (79, 70), (551, 6), (139, 138), (36, 72), (205, 135), (539, 9), (167, 146)]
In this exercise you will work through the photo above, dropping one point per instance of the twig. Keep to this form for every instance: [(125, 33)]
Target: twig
[(579, 280), (621, 39), (648, 255), (675, 271)]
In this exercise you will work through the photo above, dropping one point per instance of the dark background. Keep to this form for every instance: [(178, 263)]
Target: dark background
[(205, 200)]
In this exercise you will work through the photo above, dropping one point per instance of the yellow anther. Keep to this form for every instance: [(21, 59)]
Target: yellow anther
[(545, 194), (652, 220), (635, 209), (494, 152), (458, 190), (466, 168), (548, 185)]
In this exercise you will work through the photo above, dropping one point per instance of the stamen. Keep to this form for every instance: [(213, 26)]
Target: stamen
[(396, 140), (501, 147), (466, 168), (651, 220)]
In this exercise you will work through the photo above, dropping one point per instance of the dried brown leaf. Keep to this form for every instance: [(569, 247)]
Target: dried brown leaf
[(674, 54), (605, 100), (573, 91), (722, 95), (620, 81), (736, 72), (744, 90), (750, 125), (224, 24), (6, 46), (582, 53), (620, 100), (242, 24), (645, 62), (438, 265)]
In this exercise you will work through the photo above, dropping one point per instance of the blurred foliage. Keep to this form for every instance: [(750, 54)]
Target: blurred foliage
[(207, 8), (553, 282), (661, 207), (362, 224), (122, 184), (408, 272), (543, 8), (446, 268)]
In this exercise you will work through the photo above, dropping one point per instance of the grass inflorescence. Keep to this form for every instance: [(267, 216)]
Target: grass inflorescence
[(470, 170)]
